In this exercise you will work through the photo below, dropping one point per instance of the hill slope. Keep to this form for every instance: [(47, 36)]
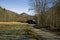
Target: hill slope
[(9, 16), (23, 17), (6, 15)]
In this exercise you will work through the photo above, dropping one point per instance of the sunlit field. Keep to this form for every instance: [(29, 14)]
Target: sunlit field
[(16, 31), (12, 23)]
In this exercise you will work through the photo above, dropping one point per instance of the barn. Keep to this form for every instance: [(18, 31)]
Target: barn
[(31, 21)]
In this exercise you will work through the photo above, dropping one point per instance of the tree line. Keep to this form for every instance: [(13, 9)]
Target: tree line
[(47, 12)]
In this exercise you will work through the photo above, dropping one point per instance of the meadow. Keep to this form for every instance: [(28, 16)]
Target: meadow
[(16, 32)]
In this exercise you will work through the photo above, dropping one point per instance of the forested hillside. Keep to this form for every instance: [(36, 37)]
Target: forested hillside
[(53, 16), (47, 15), (9, 16), (6, 15)]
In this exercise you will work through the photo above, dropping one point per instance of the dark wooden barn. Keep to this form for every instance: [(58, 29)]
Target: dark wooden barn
[(31, 21)]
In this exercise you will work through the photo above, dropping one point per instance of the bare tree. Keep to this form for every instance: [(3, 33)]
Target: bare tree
[(40, 7)]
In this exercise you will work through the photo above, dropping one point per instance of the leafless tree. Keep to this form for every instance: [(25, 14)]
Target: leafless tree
[(41, 7)]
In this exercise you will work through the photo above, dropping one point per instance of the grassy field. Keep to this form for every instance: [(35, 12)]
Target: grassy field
[(13, 26), (15, 32), (12, 23)]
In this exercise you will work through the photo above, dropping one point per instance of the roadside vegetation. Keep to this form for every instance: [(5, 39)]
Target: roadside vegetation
[(17, 32), (47, 14)]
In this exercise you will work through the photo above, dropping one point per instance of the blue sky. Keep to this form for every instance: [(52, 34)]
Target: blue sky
[(17, 6)]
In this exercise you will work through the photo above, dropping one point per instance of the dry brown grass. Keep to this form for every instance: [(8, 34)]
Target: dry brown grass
[(12, 23)]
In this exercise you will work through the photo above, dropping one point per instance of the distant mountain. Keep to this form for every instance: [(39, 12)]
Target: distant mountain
[(9, 16), (24, 17)]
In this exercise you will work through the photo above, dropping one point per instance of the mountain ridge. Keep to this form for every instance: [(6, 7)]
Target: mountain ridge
[(10, 16)]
